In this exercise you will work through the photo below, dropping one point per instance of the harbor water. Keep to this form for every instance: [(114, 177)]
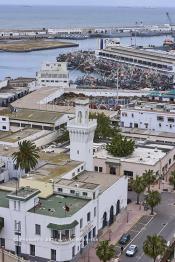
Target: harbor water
[(26, 64)]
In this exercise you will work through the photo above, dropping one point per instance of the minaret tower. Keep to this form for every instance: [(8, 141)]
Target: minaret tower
[(81, 131)]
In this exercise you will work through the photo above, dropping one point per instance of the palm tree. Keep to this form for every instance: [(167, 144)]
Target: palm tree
[(104, 251), (154, 246), (27, 156), (149, 178), (153, 199), (138, 186), (172, 179)]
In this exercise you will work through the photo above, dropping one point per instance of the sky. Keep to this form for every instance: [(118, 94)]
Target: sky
[(147, 3)]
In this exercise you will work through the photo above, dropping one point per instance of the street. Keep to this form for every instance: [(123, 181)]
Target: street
[(162, 224)]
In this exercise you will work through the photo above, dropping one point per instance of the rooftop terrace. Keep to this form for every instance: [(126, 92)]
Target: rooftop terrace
[(39, 116), (52, 166), (148, 154), (12, 137), (23, 193), (55, 206)]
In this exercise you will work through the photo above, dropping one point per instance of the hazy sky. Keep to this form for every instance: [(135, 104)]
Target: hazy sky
[(148, 3)]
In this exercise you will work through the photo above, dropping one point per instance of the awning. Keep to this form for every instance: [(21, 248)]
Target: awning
[(1, 222), (64, 226)]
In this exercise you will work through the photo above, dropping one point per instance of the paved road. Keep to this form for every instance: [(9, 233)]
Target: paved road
[(163, 224)]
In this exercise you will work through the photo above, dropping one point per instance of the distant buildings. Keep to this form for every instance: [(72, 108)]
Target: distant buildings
[(150, 116), (53, 74)]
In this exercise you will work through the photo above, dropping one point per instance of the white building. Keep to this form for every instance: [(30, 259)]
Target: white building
[(150, 116), (81, 131), (75, 205), (53, 74), (147, 155)]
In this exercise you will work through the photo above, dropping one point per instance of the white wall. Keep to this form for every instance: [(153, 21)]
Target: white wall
[(129, 117)]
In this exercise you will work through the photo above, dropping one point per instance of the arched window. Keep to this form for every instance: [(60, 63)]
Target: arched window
[(80, 117)]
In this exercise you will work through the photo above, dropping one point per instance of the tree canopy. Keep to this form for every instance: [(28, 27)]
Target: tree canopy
[(105, 251), (27, 156), (104, 128), (149, 178), (138, 186), (154, 246), (153, 199), (121, 146)]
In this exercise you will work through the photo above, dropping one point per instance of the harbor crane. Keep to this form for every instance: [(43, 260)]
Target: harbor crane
[(171, 25)]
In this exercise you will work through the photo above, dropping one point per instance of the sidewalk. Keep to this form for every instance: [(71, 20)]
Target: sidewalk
[(113, 233)]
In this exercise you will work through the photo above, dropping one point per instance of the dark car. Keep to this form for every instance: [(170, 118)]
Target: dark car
[(124, 239)]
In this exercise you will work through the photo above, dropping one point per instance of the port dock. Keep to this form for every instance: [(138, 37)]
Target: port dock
[(86, 32)]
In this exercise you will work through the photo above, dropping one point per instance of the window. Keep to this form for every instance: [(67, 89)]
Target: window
[(32, 250), (132, 115), (53, 254), (85, 194), (95, 211), (2, 242), (81, 222), (3, 119), (135, 125), (94, 232), (96, 168), (170, 161), (77, 152), (60, 189), (88, 216), (100, 169), (14, 205), (17, 205), (78, 170), (171, 119), (160, 118), (72, 191), (81, 167), (4, 127), (128, 173), (37, 229), (73, 251), (17, 227)]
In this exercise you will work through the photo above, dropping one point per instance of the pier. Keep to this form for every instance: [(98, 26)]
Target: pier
[(87, 32)]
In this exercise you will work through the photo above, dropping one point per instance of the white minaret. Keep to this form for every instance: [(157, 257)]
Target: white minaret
[(81, 131)]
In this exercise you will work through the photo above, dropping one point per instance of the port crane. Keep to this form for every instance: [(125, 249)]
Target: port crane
[(171, 25)]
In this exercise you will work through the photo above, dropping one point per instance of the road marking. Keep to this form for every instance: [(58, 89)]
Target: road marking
[(139, 233), (158, 235)]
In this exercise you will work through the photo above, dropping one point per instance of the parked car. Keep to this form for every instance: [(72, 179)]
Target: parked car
[(131, 251), (124, 239)]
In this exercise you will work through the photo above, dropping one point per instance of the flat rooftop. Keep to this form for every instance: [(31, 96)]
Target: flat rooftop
[(142, 53), (54, 206), (152, 106), (148, 133), (35, 100), (23, 193), (148, 154), (52, 166), (39, 116), (15, 136), (103, 180), (74, 183)]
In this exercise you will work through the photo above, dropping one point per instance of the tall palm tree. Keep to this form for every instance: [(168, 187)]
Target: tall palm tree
[(27, 156), (104, 251), (153, 199), (138, 186), (149, 178), (172, 179), (154, 246)]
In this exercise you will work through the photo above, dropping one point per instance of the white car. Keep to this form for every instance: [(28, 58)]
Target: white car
[(131, 251)]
